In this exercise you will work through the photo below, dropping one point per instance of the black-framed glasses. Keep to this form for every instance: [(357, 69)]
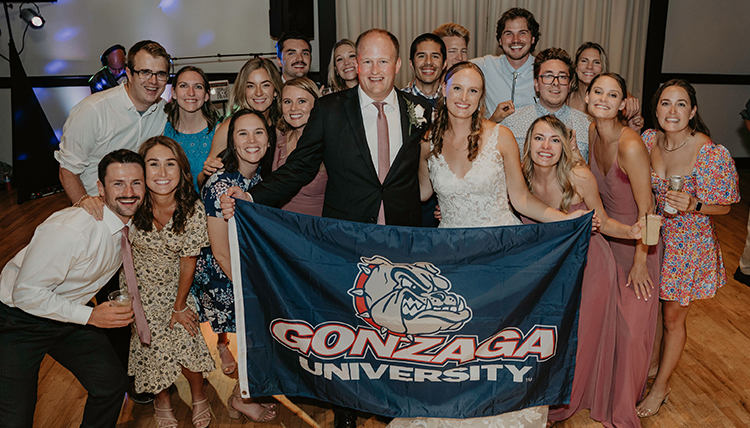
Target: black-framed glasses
[(146, 74), (548, 79)]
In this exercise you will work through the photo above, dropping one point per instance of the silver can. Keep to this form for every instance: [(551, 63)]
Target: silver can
[(676, 182)]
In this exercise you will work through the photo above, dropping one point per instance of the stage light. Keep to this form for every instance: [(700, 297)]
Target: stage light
[(32, 18)]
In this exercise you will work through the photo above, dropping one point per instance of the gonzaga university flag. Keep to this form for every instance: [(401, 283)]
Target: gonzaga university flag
[(407, 322)]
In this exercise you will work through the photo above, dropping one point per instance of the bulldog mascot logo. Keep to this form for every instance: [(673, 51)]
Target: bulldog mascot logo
[(407, 298)]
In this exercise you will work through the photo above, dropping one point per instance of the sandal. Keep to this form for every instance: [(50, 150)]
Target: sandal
[(203, 418), (651, 412), (235, 413), (166, 419), (226, 368)]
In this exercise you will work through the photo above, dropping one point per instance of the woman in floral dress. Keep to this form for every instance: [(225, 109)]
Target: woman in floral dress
[(248, 141), (692, 268), (170, 229)]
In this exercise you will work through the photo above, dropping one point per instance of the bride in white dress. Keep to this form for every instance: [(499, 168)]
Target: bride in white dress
[(474, 167)]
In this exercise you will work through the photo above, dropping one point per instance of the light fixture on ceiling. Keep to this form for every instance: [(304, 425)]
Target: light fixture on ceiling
[(32, 17)]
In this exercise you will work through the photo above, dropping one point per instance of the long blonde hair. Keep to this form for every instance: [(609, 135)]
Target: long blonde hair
[(238, 99), (442, 122), (335, 81), (568, 160)]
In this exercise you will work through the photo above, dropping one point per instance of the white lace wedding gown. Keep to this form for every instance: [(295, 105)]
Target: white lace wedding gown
[(479, 199)]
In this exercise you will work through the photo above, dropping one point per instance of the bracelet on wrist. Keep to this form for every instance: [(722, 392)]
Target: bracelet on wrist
[(182, 310), (77, 204)]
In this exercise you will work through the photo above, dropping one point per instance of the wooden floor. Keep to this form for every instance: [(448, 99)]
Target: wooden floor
[(710, 387)]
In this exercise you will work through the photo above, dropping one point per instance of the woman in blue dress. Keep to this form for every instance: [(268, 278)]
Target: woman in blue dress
[(248, 140), (192, 118)]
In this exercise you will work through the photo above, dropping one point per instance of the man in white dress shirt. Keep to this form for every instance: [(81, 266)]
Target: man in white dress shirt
[(510, 77), (43, 294), (118, 118)]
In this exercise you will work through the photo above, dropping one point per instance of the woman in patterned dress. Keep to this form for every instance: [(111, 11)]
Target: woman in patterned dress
[(170, 229), (248, 142), (693, 267), (192, 119)]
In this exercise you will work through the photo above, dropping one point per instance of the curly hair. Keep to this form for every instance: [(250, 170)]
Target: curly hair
[(185, 194), (442, 122), (306, 85), (335, 81), (209, 111), (238, 99), (568, 160)]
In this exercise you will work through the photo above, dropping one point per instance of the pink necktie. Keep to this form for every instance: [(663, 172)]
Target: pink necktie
[(127, 265), (384, 153)]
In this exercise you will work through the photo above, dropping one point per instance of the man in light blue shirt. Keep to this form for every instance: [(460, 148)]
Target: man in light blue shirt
[(509, 77), (552, 71)]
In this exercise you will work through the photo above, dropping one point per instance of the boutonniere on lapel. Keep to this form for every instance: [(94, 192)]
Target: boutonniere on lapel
[(416, 115)]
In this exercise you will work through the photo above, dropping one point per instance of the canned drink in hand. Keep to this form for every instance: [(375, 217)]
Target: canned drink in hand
[(675, 184)]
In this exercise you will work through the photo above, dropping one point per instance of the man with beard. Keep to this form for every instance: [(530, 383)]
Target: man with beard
[(509, 77), (427, 59), (121, 118), (552, 71), (294, 54), (43, 294)]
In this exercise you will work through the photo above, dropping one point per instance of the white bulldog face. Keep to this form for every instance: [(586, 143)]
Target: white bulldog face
[(409, 298)]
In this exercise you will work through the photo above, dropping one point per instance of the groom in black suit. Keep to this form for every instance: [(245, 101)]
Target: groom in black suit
[(368, 138)]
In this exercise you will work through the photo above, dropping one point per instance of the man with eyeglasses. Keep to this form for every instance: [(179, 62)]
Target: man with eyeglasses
[(119, 118), (552, 71)]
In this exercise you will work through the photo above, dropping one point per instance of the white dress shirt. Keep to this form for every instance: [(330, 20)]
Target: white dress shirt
[(498, 75), (103, 122), (370, 119), (70, 257)]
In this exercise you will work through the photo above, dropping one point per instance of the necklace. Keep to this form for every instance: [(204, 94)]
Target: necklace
[(678, 147)]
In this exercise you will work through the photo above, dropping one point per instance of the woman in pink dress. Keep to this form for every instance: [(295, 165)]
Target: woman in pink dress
[(297, 99), (693, 267), (560, 178), (619, 161)]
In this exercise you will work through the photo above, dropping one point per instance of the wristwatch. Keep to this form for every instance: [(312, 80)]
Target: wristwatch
[(698, 206)]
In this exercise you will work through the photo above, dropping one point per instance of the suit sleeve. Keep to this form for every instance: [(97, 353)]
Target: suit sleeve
[(300, 168)]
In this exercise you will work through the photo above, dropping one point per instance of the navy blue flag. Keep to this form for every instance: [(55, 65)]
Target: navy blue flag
[(407, 322)]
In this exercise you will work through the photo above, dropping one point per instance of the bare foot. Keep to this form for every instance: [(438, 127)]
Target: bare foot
[(254, 411)]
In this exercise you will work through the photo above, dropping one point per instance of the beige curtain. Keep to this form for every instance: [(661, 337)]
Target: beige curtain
[(620, 26)]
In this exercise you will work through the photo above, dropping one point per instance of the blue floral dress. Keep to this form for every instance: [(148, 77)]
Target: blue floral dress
[(211, 287), (196, 147)]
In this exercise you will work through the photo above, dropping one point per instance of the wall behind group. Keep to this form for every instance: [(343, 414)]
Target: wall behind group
[(78, 31), (708, 41)]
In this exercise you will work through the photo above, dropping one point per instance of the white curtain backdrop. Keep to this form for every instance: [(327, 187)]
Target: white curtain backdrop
[(620, 26)]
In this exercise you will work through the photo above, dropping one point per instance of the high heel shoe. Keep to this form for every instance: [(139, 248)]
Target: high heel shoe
[(226, 368), (203, 418), (649, 412), (235, 413)]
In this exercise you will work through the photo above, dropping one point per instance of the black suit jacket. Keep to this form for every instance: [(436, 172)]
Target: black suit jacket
[(335, 135)]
